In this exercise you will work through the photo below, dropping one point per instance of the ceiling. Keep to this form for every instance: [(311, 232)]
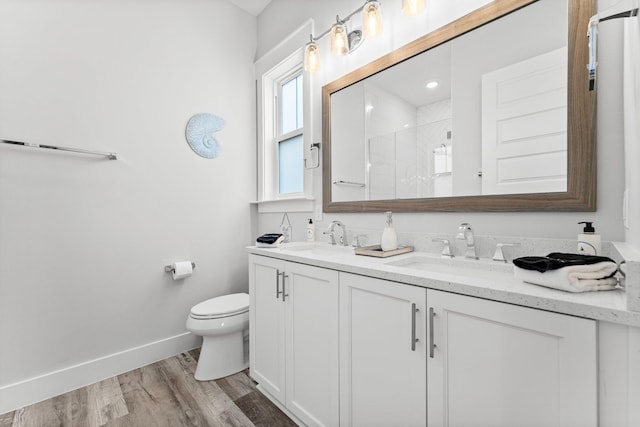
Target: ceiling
[(407, 80), (254, 7)]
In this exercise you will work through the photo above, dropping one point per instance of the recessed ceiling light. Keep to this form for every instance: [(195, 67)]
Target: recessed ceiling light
[(432, 85), (368, 108)]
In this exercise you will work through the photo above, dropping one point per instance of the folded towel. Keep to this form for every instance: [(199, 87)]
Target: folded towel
[(556, 260), (270, 240), (574, 278)]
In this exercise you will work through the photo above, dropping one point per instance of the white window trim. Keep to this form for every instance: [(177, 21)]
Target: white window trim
[(270, 70)]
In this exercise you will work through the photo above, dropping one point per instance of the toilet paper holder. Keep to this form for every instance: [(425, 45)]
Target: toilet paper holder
[(171, 268)]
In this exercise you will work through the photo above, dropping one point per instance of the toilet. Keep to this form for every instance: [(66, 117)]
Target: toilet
[(223, 323)]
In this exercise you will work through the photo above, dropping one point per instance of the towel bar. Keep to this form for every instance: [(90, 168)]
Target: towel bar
[(110, 156)]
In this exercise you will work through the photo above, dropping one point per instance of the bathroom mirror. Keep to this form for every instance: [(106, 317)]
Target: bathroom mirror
[(510, 125)]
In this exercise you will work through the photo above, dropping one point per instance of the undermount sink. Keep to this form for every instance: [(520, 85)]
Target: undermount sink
[(454, 266), (317, 248)]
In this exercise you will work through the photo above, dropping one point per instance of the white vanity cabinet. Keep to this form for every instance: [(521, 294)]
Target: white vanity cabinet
[(496, 364), (382, 353), (334, 348), (294, 337)]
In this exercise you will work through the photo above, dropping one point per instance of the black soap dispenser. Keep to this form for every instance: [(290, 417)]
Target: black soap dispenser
[(589, 242)]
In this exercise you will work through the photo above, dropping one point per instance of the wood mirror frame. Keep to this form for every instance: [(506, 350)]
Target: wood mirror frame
[(581, 109)]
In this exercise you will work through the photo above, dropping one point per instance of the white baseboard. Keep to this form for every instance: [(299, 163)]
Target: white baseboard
[(36, 389)]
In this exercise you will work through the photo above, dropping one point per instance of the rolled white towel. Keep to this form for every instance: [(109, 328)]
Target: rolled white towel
[(575, 278)]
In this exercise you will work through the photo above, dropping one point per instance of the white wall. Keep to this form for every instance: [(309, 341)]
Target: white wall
[(398, 31), (84, 241)]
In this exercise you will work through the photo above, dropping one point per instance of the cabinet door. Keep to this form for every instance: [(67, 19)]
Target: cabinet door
[(382, 366), (266, 325), (497, 364), (312, 344)]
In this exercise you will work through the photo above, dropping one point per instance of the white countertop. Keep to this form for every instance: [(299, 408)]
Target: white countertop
[(482, 278)]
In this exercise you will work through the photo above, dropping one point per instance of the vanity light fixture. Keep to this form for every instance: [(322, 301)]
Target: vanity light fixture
[(344, 41), (311, 56), (339, 38), (412, 7), (371, 19)]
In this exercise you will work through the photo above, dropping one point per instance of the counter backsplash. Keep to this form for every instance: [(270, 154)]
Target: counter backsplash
[(523, 246), (485, 245)]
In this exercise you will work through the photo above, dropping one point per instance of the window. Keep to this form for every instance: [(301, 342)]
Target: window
[(289, 135), (284, 129)]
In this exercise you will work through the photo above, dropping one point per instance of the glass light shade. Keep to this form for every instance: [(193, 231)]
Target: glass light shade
[(412, 7), (339, 41), (371, 19), (311, 57)]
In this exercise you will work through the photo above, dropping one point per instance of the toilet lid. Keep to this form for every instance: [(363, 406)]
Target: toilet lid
[(222, 306)]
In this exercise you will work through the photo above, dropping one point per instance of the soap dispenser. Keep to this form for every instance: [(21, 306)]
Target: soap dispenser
[(389, 240), (588, 240), (311, 231)]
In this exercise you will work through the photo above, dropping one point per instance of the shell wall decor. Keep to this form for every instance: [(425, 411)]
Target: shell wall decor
[(201, 136)]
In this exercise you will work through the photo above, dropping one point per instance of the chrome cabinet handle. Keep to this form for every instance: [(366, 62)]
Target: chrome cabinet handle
[(432, 345), (414, 340), (284, 276), (278, 291)]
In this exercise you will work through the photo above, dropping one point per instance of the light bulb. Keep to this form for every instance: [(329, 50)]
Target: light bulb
[(412, 7), (339, 42), (371, 19), (311, 57)]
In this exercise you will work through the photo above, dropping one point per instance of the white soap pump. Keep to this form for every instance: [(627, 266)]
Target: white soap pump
[(311, 231), (389, 239), (589, 242)]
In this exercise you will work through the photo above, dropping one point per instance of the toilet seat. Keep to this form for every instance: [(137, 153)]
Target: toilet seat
[(222, 306)]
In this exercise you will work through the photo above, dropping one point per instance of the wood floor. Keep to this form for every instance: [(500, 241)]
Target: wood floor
[(162, 394)]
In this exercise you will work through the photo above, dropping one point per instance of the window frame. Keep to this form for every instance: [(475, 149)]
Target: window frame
[(274, 67)]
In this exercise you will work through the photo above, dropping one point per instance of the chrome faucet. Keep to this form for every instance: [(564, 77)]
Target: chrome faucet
[(466, 233), (446, 248), (331, 232), (498, 255)]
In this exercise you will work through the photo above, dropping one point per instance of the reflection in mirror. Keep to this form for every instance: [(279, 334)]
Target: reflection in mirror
[(484, 114), (398, 129), (496, 123)]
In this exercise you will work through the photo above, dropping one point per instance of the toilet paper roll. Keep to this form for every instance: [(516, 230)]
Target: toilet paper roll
[(182, 269)]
